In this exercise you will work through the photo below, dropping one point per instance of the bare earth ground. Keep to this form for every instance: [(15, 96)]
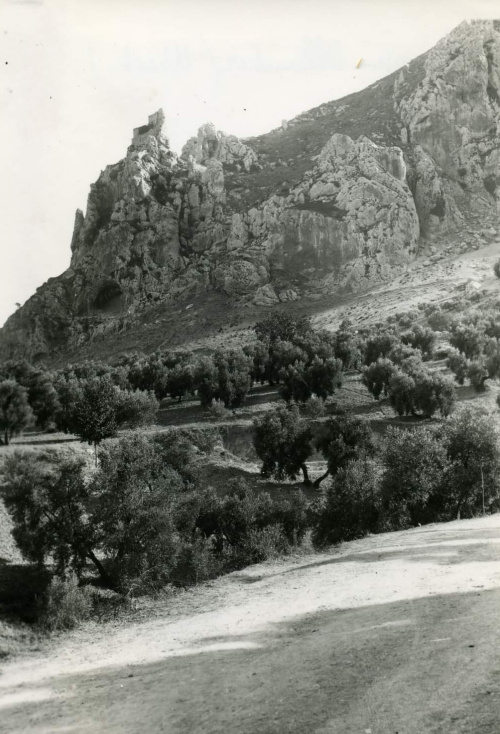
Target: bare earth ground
[(393, 634)]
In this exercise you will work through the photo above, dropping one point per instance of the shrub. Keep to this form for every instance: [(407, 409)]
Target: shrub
[(415, 468), (218, 411), (134, 492), (264, 544), (351, 507), (472, 445), (195, 562), (235, 523), (64, 604), (136, 408)]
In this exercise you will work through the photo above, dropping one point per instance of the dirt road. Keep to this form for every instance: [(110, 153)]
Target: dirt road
[(394, 634)]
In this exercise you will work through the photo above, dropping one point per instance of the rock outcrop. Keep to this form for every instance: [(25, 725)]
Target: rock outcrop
[(338, 198)]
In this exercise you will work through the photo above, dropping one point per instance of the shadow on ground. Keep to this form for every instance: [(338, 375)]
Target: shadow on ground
[(427, 665)]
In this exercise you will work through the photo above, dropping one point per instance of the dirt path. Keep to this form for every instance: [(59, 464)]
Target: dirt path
[(394, 634)]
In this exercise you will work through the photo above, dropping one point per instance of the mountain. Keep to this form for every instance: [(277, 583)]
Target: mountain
[(337, 199)]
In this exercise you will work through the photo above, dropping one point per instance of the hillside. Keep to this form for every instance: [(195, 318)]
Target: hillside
[(343, 198), (392, 633)]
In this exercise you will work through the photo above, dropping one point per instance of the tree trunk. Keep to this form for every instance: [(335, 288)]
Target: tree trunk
[(307, 481), (95, 453), (318, 481), (6, 437), (102, 571)]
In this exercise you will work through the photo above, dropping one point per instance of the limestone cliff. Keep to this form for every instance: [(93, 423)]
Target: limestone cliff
[(338, 198)]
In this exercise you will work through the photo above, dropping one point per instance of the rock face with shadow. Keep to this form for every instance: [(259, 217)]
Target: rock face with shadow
[(341, 197)]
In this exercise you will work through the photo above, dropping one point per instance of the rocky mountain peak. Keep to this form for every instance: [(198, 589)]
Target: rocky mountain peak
[(339, 198), (211, 143)]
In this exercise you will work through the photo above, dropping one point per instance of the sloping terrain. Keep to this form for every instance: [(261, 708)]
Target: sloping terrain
[(392, 633), (209, 320)]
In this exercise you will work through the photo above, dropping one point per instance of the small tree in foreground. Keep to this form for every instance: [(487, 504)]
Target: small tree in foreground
[(122, 519), (283, 441), (15, 412), (94, 413)]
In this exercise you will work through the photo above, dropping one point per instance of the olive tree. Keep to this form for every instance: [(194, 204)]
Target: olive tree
[(283, 441), (15, 411)]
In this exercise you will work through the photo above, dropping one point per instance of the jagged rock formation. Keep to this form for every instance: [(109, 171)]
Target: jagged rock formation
[(338, 198)]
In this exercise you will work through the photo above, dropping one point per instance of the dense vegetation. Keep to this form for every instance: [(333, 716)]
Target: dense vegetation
[(143, 516)]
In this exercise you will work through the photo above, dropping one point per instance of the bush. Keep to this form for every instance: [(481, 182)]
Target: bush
[(415, 469), (238, 523), (136, 408), (351, 507), (496, 268), (64, 604), (473, 449), (218, 411), (195, 563), (264, 544)]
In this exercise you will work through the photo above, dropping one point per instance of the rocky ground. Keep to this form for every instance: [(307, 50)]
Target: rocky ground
[(393, 633)]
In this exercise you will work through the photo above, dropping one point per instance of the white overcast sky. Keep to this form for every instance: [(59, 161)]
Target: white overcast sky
[(78, 75)]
